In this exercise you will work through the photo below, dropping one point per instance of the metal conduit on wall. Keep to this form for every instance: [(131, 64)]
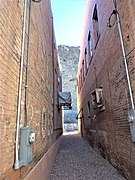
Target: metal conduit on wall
[(115, 12), (17, 162), (28, 67), (125, 61), (131, 112)]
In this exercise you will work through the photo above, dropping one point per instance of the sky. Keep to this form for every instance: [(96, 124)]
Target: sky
[(68, 18)]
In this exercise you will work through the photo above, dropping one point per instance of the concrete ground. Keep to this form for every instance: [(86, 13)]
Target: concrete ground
[(76, 160)]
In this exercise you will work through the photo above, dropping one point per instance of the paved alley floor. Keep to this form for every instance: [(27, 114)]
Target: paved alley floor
[(76, 160)]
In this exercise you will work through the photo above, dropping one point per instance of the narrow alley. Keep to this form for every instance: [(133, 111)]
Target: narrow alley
[(49, 86), (76, 160)]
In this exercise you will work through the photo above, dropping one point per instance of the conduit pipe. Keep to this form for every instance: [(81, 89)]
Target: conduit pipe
[(131, 113), (109, 25), (17, 162), (28, 66), (125, 60)]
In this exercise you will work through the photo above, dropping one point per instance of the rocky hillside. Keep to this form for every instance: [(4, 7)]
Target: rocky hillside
[(69, 57)]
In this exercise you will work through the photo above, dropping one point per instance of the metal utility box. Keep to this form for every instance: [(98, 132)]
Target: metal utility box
[(97, 99), (26, 145), (131, 120)]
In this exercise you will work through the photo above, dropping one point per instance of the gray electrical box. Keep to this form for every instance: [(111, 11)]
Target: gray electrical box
[(26, 145), (131, 120)]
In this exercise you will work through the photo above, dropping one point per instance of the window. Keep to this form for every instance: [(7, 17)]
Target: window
[(95, 25), (88, 109), (79, 85), (86, 60), (83, 77), (90, 45)]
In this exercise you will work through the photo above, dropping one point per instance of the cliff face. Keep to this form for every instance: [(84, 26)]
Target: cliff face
[(69, 57)]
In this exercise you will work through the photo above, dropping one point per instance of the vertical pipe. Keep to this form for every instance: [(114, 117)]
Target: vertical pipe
[(28, 66), (17, 162), (125, 61)]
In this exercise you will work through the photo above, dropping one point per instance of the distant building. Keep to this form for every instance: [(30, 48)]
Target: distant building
[(105, 96), (39, 122)]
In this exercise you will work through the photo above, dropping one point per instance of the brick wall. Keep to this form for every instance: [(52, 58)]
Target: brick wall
[(108, 131), (44, 117)]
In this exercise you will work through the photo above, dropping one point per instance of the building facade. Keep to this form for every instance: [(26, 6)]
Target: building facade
[(106, 82), (29, 82)]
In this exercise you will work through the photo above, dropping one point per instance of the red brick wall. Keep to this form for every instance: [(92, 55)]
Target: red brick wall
[(42, 101), (108, 131)]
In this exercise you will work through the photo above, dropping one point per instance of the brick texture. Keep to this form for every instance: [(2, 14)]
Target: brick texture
[(108, 131), (44, 117)]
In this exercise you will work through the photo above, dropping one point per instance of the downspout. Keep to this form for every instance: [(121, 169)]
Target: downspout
[(28, 67), (17, 162)]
